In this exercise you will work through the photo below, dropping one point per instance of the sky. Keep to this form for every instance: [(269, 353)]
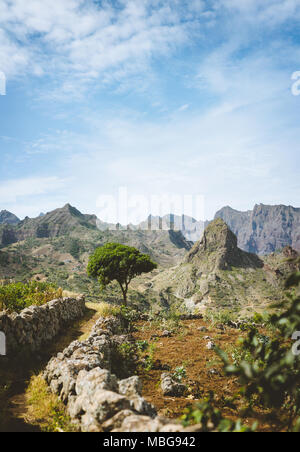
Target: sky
[(175, 97)]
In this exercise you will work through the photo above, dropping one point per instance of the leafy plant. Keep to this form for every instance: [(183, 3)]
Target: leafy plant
[(142, 346), (179, 373), (18, 296), (210, 418), (149, 359)]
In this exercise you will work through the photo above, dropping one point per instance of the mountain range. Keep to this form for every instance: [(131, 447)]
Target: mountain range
[(263, 230), (215, 271)]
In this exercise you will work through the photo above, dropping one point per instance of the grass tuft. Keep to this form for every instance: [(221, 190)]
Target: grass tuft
[(44, 409)]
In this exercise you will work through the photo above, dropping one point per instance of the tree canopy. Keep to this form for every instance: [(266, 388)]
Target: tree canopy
[(121, 263)]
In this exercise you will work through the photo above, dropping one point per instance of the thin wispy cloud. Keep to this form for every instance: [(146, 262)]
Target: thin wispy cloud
[(161, 96)]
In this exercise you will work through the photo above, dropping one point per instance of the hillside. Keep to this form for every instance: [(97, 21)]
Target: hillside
[(217, 274), (265, 229), (55, 224), (8, 218), (56, 248)]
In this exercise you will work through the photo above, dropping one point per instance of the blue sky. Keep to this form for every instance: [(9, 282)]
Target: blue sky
[(161, 97)]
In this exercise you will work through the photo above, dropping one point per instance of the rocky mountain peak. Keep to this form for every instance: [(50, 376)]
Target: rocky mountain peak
[(264, 229), (8, 218), (218, 250)]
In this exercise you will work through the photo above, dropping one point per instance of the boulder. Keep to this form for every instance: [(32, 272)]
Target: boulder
[(170, 387)]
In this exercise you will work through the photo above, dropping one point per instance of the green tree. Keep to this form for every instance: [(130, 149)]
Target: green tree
[(116, 262)]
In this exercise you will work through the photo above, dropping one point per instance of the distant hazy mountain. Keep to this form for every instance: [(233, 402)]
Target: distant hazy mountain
[(8, 218), (55, 224), (190, 228), (264, 229), (166, 247)]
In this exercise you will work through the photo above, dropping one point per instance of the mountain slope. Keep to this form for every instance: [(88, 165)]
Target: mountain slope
[(217, 274), (218, 250), (54, 224), (56, 248), (265, 229), (8, 218)]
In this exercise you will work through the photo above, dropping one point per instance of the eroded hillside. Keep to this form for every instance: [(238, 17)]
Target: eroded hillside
[(217, 274)]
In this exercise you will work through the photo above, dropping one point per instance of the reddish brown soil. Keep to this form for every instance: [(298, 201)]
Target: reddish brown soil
[(188, 348)]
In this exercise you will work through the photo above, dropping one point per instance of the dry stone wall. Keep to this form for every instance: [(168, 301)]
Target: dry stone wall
[(37, 325), (96, 399)]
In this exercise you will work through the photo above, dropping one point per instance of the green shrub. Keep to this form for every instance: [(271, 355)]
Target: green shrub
[(15, 297), (179, 373), (211, 418), (273, 376)]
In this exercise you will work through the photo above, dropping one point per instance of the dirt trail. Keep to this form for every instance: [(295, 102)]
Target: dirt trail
[(14, 377)]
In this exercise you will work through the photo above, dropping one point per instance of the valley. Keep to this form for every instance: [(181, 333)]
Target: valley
[(157, 361)]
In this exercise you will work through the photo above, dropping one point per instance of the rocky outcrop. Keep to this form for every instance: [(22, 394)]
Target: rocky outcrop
[(265, 229), (37, 325), (217, 274), (85, 377), (218, 250)]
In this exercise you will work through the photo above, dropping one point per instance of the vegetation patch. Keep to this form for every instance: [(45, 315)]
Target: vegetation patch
[(17, 296), (44, 409)]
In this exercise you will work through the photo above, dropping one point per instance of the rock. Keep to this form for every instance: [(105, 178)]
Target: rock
[(213, 372), (171, 428), (221, 327), (170, 387), (137, 423), (166, 333), (89, 382), (130, 386), (218, 250), (202, 329), (210, 345), (116, 421)]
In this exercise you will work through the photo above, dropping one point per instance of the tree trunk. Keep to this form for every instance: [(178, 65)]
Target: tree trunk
[(124, 292)]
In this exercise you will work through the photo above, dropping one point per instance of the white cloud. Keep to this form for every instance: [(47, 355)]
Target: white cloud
[(14, 190), (88, 41), (231, 156), (268, 12), (237, 149)]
